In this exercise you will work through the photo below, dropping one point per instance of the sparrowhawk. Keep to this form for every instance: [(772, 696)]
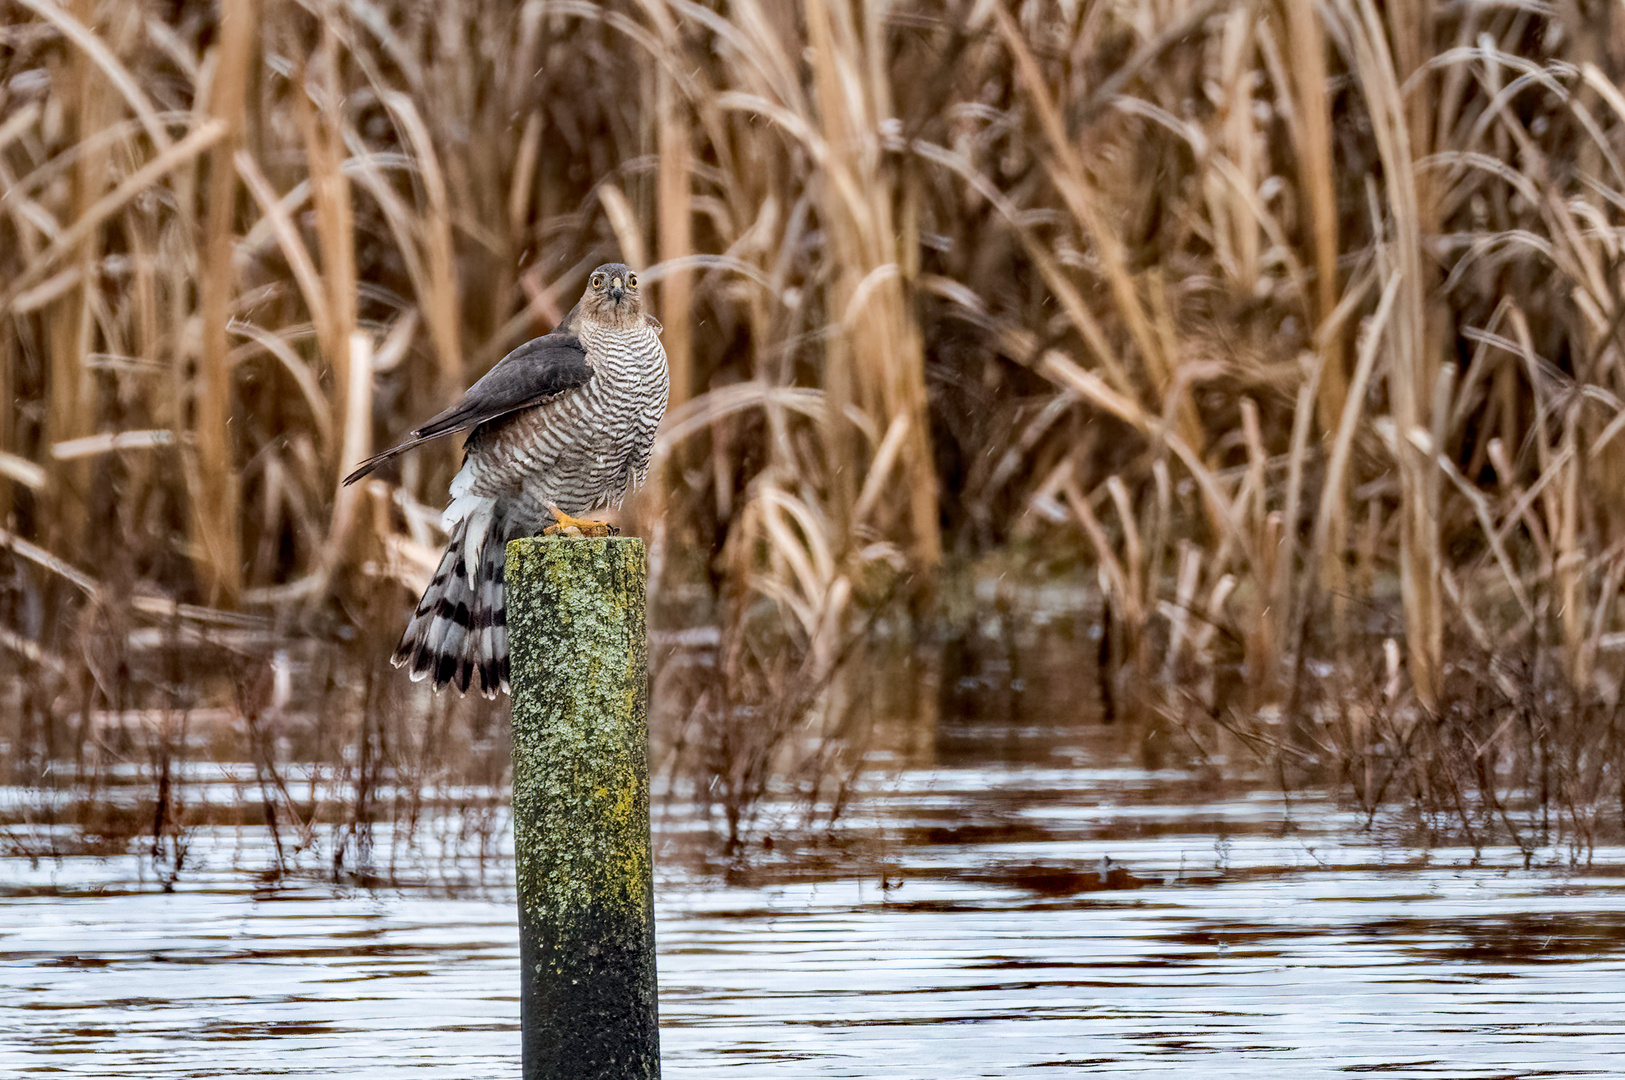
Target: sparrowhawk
[(562, 426)]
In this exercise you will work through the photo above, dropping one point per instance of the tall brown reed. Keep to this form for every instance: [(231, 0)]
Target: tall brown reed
[(1303, 319)]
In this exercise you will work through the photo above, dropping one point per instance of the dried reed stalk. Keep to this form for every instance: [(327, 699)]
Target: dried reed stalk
[(1312, 116), (1288, 315), (1411, 370), (215, 526), (675, 211), (874, 361)]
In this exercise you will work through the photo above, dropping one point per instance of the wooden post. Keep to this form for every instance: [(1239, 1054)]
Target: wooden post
[(579, 672)]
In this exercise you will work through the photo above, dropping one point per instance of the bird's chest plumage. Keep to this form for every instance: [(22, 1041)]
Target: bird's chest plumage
[(586, 448)]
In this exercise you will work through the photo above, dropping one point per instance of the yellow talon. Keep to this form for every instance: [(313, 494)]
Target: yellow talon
[(566, 525)]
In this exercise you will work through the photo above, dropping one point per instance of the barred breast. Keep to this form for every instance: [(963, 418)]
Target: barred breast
[(585, 450)]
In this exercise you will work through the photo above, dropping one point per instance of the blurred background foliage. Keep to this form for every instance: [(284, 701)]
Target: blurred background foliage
[(1295, 327)]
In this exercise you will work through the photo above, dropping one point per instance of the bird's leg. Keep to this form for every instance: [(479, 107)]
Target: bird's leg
[(564, 524)]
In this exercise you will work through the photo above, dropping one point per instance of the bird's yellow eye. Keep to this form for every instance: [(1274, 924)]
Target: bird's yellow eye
[(631, 281), (598, 281)]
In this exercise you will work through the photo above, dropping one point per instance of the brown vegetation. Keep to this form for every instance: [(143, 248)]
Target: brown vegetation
[(1300, 323)]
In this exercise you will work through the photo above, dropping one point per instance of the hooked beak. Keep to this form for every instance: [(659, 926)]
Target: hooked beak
[(617, 290)]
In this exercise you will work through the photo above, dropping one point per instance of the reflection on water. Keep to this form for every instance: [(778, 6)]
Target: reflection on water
[(1100, 929), (1022, 896)]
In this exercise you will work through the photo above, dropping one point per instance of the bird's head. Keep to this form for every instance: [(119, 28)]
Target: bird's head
[(612, 297)]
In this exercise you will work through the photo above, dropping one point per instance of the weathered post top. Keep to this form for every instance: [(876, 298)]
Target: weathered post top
[(578, 668)]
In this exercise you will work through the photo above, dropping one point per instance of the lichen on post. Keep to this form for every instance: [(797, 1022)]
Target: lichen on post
[(579, 672)]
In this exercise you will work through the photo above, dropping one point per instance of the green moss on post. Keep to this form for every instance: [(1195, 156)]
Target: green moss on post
[(579, 671)]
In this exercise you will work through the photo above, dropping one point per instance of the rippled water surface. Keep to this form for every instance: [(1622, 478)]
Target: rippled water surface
[(1025, 900)]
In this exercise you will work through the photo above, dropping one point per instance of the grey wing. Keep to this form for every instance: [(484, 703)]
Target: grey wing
[(539, 369)]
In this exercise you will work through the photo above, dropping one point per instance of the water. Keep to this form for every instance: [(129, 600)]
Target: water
[(1110, 926), (1017, 898)]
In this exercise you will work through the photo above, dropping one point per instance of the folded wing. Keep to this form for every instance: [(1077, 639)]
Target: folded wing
[(539, 369)]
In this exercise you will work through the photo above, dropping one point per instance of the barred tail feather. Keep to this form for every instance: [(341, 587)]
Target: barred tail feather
[(490, 630), (458, 634)]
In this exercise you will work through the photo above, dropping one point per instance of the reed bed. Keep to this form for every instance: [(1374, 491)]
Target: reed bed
[(1296, 325)]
